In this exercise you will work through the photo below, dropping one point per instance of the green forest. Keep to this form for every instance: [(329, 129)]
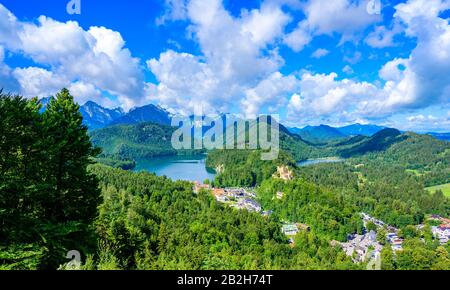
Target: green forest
[(59, 192)]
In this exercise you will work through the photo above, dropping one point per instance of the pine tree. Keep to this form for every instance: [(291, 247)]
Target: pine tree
[(19, 131), (69, 151), (72, 194)]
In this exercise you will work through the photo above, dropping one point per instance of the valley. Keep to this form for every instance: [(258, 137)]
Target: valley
[(228, 209)]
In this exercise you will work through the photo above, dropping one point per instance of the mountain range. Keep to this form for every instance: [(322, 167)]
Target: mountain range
[(325, 133), (98, 117)]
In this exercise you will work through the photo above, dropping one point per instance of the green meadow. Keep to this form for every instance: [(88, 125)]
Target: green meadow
[(444, 187)]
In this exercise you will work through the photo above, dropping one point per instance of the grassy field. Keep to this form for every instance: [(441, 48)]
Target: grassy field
[(444, 187)]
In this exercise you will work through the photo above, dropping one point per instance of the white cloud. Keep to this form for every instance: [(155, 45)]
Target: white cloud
[(295, 103), (426, 123), (424, 78), (343, 16), (237, 58), (321, 52), (299, 38), (174, 10), (7, 81), (348, 70), (264, 25), (8, 28), (355, 58), (240, 65), (270, 91), (382, 37), (84, 92), (421, 118), (95, 57), (393, 70), (185, 81), (324, 96), (323, 17), (52, 42), (38, 82), (239, 62)]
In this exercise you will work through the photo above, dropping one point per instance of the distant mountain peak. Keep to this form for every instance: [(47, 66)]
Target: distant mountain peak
[(147, 113), (360, 129)]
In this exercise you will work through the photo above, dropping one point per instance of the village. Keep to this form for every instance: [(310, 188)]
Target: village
[(360, 247), (243, 198), (442, 231), (366, 246), (239, 198)]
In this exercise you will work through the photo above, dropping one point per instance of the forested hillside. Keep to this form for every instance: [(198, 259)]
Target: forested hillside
[(244, 167), (144, 140), (149, 222), (53, 200), (48, 199)]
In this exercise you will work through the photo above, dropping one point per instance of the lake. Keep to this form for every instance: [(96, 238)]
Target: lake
[(190, 168), (318, 161)]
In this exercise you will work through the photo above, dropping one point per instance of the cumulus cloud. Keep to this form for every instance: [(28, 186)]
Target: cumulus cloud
[(96, 57), (427, 123), (84, 92), (8, 28), (423, 79), (325, 96), (236, 57), (355, 58), (319, 53), (419, 81), (383, 37), (271, 91), (238, 65), (174, 10), (7, 80), (348, 70), (38, 82), (323, 17), (299, 38)]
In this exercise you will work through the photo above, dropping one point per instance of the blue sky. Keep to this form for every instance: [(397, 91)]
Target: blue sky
[(310, 61)]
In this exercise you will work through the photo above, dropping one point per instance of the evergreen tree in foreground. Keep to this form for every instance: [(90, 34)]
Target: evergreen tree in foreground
[(48, 198)]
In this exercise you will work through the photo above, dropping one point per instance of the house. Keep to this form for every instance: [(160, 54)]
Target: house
[(435, 217), (222, 198), (218, 191), (249, 193), (445, 228), (397, 244), (280, 195), (442, 233), (361, 247), (252, 205), (372, 236), (290, 229)]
